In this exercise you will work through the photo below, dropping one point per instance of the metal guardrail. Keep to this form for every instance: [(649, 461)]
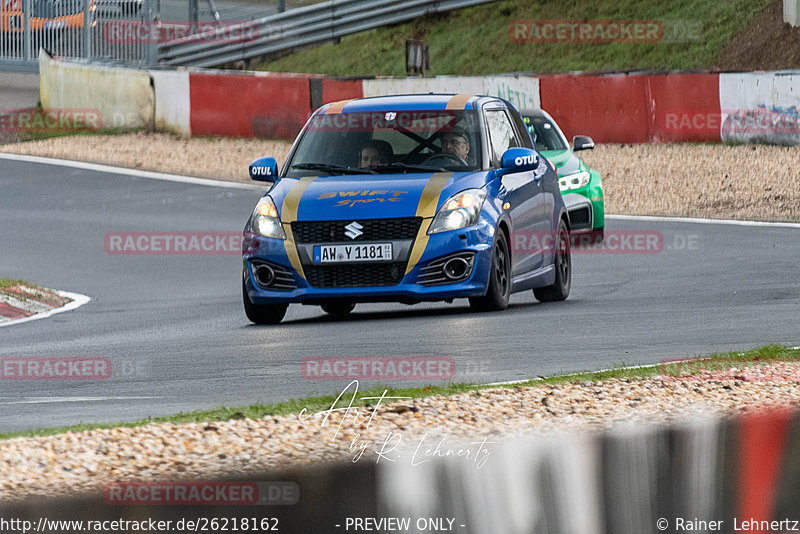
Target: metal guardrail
[(296, 28)]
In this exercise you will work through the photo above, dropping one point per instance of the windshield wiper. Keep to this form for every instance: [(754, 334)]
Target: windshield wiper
[(331, 168), (407, 167)]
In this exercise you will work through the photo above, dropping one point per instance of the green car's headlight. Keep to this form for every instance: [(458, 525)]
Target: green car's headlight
[(574, 181), (266, 221), (460, 210)]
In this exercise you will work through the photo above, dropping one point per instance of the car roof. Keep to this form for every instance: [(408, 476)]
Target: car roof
[(417, 102), (537, 112)]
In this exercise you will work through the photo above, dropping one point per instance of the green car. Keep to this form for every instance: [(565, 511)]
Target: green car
[(580, 185)]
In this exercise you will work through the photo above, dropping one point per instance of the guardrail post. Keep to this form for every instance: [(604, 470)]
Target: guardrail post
[(281, 6), (194, 15), (87, 27), (27, 5), (150, 52)]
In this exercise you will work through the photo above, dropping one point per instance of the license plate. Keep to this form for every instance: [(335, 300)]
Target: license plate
[(343, 253)]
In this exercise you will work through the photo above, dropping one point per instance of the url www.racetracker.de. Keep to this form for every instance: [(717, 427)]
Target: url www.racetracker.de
[(202, 524)]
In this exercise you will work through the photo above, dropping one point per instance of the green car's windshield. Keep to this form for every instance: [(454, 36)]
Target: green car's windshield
[(388, 142), (544, 133)]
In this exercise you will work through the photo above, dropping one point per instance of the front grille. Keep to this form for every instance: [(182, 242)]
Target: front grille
[(372, 230), (355, 274), (580, 217)]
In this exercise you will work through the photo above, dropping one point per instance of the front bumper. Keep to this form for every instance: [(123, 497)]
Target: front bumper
[(475, 239), (586, 208)]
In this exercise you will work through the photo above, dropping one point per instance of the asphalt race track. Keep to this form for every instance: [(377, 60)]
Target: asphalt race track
[(174, 327)]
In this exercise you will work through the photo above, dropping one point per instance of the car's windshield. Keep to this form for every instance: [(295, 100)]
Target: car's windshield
[(388, 142), (544, 133)]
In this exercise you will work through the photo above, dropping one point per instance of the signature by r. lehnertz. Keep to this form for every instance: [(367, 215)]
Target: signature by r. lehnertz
[(389, 448)]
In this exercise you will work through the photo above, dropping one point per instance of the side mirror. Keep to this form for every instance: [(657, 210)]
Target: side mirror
[(264, 170), (582, 142), (519, 160)]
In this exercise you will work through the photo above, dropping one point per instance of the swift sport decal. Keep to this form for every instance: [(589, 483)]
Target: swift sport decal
[(365, 196)]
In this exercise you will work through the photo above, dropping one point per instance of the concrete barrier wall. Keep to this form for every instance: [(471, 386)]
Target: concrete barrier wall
[(173, 106), (616, 108), (760, 107), (123, 97)]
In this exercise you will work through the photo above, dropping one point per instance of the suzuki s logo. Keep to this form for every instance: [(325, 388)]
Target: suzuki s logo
[(353, 230)]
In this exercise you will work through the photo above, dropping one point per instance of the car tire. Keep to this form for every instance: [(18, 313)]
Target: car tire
[(563, 266), (499, 291), (599, 235), (338, 308), (263, 313)]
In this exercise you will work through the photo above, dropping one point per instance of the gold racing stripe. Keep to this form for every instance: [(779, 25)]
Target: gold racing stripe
[(289, 215), (426, 209), (458, 101), (336, 107)]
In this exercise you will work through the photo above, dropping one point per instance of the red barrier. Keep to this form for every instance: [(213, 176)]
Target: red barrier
[(335, 90), (274, 106), (634, 108), (607, 108), (762, 441), (684, 108)]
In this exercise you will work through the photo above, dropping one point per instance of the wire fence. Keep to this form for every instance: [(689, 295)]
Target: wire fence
[(114, 31)]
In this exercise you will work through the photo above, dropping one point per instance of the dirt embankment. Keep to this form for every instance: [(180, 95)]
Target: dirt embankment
[(766, 43)]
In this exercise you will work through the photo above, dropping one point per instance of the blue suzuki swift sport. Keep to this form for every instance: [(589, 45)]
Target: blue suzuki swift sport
[(406, 198)]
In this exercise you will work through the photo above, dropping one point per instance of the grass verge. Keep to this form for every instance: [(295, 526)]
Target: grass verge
[(8, 282), (476, 40), (762, 355)]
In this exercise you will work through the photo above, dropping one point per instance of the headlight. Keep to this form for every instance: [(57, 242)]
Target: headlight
[(460, 210), (574, 181), (266, 221)]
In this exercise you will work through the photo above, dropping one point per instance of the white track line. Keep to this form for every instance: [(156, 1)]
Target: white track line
[(51, 400), (78, 300), (131, 172), (731, 222), (535, 379), (538, 378)]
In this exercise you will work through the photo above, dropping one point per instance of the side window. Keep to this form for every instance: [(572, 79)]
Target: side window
[(522, 131), (501, 134)]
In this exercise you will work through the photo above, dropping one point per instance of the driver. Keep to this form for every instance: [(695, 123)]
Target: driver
[(456, 142)]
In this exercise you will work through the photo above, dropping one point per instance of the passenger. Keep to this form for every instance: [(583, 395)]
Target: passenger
[(376, 153)]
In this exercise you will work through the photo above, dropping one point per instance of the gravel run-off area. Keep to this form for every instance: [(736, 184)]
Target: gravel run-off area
[(696, 180), (84, 462)]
